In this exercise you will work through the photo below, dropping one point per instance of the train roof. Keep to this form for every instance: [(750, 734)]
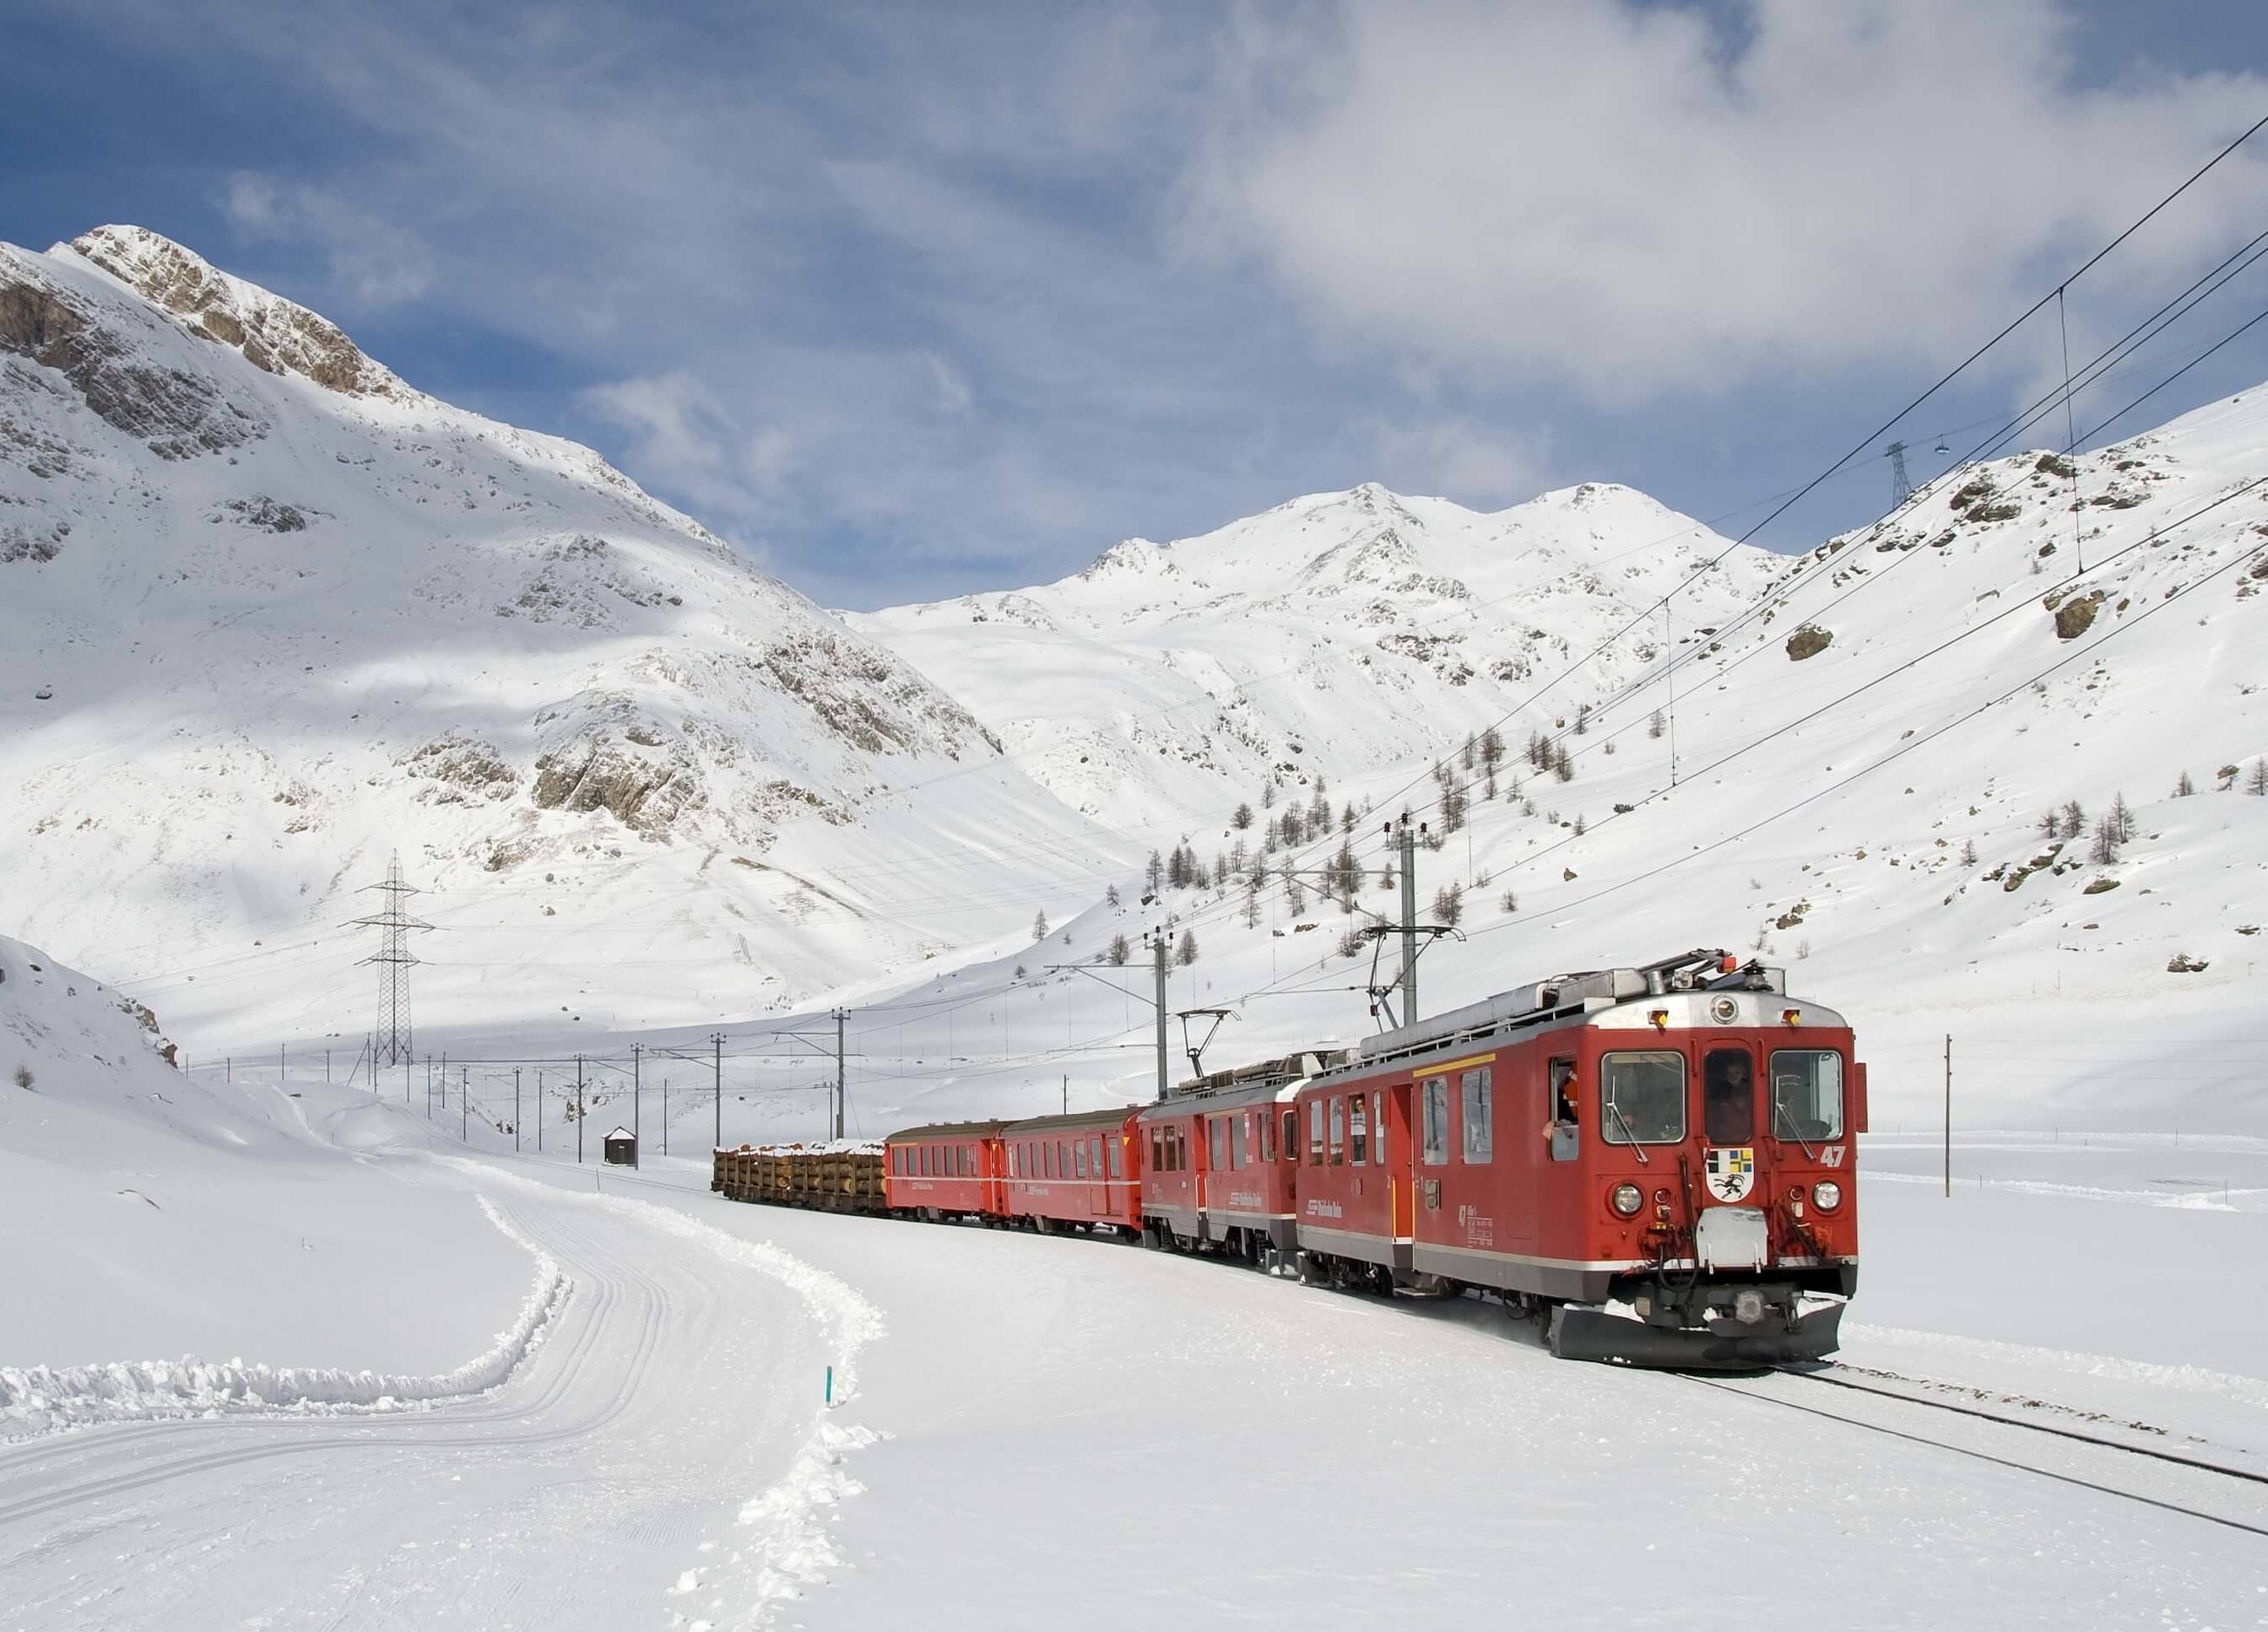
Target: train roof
[(950, 1130), (1110, 1118), (1688, 983)]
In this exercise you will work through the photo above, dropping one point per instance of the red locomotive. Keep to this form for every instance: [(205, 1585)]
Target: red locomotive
[(1676, 1137)]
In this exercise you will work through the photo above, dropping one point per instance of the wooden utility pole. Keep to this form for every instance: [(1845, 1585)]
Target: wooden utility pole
[(718, 1042), (578, 1107), (839, 1079), (637, 1095)]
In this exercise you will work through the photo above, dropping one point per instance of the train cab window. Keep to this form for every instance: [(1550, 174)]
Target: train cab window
[(1314, 1133), (1267, 1121), (1477, 1093), (1358, 1130), (1378, 1129), (1338, 1131), (1434, 1133), (1728, 1097), (1642, 1097), (1807, 1094)]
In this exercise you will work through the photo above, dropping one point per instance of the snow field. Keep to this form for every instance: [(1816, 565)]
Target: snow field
[(38, 1399)]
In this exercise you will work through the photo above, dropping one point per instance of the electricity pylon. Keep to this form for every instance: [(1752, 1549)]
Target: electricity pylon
[(390, 1044)]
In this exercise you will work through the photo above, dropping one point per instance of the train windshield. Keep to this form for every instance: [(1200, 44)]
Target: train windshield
[(1807, 1099), (1642, 1097)]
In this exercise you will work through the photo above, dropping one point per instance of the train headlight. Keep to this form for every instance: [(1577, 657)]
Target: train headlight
[(1828, 1194), (1627, 1199)]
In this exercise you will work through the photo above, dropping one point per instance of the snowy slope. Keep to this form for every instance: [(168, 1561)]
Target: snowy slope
[(267, 613), (1346, 631), (1826, 799), (154, 1213)]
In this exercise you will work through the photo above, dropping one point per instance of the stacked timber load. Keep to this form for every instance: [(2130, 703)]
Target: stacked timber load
[(841, 1177)]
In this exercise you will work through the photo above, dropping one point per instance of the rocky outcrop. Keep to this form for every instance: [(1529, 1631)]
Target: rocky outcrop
[(1809, 641), (272, 332), (179, 414)]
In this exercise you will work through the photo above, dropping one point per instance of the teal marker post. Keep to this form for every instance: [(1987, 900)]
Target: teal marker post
[(830, 1385)]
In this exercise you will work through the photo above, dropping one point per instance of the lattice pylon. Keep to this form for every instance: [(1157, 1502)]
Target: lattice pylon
[(390, 1043)]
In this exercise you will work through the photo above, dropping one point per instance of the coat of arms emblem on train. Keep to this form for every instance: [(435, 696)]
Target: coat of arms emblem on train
[(1732, 1173)]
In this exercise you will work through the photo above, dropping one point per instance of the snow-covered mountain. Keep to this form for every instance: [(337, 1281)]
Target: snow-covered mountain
[(268, 614), (1350, 632), (1850, 778)]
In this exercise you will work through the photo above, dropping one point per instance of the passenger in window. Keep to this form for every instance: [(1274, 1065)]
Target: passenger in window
[(1563, 1097), (1728, 1110)]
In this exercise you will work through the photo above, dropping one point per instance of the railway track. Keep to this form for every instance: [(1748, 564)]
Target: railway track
[(1766, 1388)]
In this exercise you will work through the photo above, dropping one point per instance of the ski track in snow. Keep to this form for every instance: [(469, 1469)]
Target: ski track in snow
[(41, 1400), (786, 1548)]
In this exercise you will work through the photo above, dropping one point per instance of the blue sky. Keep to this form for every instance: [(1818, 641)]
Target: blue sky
[(914, 299)]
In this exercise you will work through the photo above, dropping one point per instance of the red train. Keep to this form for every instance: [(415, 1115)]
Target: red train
[(1676, 1137)]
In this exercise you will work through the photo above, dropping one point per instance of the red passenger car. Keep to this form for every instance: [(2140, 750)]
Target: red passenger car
[(950, 1170), (1220, 1160), (1676, 1136), (1075, 1172)]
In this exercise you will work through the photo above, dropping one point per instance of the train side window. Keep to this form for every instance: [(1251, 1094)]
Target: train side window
[(1118, 1158), (1378, 1129), (1358, 1130), (1642, 1097), (1236, 1141), (1157, 1150), (1217, 1132), (1182, 1148), (1338, 1131), (1478, 1094), (1728, 1097), (1435, 1145), (1012, 1161), (1291, 1134), (1078, 1152), (1807, 1094), (1314, 1133), (1267, 1121), (1094, 1157)]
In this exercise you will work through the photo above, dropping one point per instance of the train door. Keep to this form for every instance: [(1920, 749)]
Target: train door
[(1728, 1120), (1399, 1173)]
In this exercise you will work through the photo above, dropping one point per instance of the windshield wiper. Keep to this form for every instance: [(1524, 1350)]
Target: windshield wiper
[(1629, 1134), (1780, 1115)]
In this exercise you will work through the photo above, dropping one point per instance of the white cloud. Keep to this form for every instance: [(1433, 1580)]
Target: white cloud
[(1621, 198), (1458, 458), (682, 436), (372, 263)]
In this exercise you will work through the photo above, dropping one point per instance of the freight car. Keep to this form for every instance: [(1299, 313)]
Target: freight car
[(1674, 1137)]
